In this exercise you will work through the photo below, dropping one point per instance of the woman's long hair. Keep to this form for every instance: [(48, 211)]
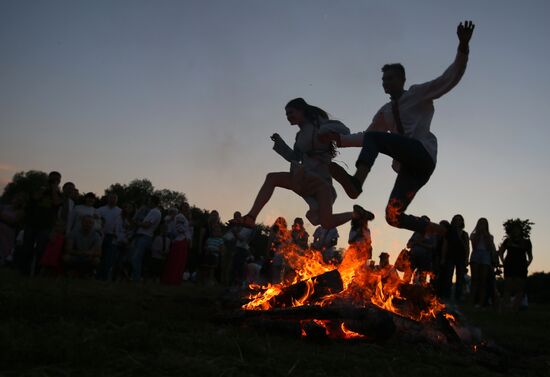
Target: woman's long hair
[(481, 230), (313, 114), (280, 225)]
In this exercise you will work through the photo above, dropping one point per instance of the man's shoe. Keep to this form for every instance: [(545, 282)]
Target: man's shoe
[(363, 213), (351, 185)]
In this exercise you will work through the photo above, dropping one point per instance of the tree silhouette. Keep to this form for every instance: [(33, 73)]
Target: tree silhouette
[(137, 191), (26, 183), (170, 198)]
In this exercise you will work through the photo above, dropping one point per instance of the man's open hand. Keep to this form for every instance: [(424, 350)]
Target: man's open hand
[(464, 32)]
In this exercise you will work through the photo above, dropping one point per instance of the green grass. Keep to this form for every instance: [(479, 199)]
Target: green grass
[(72, 327)]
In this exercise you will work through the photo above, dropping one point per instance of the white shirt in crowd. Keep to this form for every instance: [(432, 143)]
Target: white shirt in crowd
[(124, 231), (75, 217), (154, 216), (415, 109), (182, 229), (70, 208), (170, 222), (109, 216), (243, 238)]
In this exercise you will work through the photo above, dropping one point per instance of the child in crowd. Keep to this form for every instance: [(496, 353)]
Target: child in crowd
[(214, 250), (177, 258)]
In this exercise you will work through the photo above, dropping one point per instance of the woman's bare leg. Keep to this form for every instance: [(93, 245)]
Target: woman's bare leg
[(483, 278), (326, 217), (272, 180), (475, 268)]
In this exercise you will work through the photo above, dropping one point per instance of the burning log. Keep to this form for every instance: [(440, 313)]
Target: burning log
[(311, 289), (372, 322)]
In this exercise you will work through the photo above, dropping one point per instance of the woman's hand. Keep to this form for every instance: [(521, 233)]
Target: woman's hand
[(330, 136)]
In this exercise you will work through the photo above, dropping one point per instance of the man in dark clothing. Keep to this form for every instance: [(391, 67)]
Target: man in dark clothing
[(456, 252), (40, 217)]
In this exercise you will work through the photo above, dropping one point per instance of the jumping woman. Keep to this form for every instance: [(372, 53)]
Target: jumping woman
[(310, 171)]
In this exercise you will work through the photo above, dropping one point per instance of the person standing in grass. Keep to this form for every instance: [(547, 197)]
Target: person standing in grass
[(481, 261), (299, 235), (40, 219), (279, 237), (177, 257), (159, 251), (455, 256), (144, 236), (109, 215), (11, 218), (214, 248), (125, 229), (422, 246), (516, 253), (325, 240)]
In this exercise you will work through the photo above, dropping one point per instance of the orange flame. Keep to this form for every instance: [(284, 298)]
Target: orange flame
[(361, 285)]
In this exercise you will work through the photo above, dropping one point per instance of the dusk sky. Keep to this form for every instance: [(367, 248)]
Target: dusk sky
[(187, 93)]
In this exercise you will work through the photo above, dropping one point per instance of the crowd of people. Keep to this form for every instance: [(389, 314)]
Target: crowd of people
[(57, 231), (442, 257)]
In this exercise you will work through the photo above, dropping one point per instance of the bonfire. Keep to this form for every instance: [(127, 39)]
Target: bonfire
[(349, 300)]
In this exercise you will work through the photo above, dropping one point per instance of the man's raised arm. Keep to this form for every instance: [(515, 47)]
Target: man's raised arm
[(448, 80)]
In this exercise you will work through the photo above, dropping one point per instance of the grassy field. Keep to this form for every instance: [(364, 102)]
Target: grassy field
[(71, 327)]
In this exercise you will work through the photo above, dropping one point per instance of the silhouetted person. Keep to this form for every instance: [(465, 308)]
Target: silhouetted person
[(437, 261), (179, 250), (67, 204), (359, 233), (299, 235), (85, 209), (481, 261), (516, 253), (456, 252), (310, 172), (230, 241), (401, 130), (83, 247), (11, 218), (125, 229), (388, 274), (325, 240), (109, 215), (144, 236), (279, 237), (40, 219), (422, 247)]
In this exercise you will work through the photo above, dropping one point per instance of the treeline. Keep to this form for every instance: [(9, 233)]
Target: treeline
[(537, 287)]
